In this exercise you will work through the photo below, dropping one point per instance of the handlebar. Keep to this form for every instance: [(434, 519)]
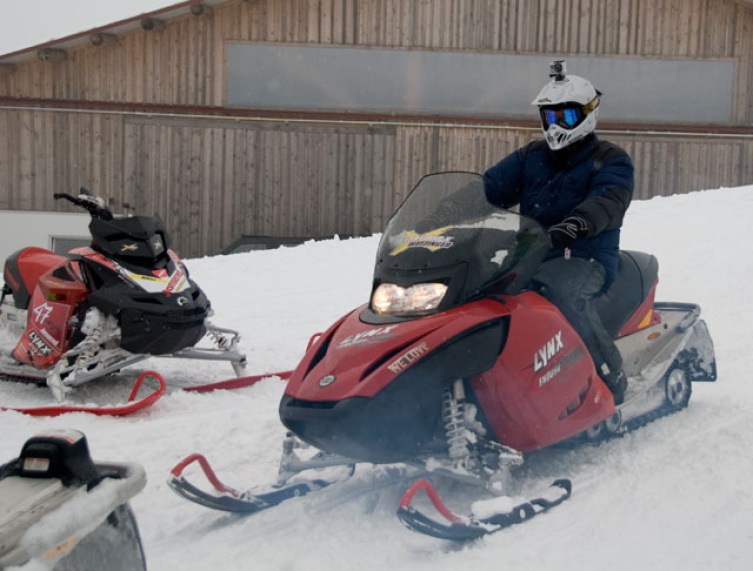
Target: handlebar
[(88, 202)]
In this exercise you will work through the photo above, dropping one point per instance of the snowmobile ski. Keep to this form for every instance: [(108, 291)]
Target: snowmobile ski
[(489, 516), (226, 498), (133, 405), (237, 383)]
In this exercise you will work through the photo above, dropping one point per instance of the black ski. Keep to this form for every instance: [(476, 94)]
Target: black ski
[(246, 502), (225, 498), (463, 528)]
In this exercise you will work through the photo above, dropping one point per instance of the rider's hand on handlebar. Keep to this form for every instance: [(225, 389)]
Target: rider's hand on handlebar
[(564, 234)]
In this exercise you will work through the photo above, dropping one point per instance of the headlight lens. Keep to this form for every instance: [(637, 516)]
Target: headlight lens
[(391, 299)]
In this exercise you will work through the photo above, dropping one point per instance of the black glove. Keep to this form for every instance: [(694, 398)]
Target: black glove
[(564, 234)]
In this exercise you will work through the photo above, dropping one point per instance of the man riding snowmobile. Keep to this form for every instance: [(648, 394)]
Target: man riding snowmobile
[(456, 367), (578, 187)]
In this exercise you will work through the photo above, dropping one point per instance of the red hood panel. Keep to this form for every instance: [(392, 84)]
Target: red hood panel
[(364, 358)]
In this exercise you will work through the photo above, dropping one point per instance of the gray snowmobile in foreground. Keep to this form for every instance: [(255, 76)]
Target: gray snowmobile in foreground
[(60, 510), (456, 369)]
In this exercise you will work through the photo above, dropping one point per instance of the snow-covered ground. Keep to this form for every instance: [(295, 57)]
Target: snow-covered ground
[(675, 494)]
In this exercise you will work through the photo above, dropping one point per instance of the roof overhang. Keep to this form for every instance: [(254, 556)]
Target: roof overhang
[(105, 35)]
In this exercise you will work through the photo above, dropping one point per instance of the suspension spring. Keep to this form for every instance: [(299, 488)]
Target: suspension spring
[(454, 423), (91, 342), (223, 342)]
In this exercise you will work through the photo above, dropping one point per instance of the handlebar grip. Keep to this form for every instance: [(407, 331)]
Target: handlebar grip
[(90, 206), (59, 195)]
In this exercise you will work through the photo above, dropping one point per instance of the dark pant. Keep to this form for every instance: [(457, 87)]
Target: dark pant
[(571, 284)]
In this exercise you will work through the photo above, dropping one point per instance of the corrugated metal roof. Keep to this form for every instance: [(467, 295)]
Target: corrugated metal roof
[(46, 49)]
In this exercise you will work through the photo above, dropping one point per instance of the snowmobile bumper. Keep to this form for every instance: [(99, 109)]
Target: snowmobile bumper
[(404, 418), (151, 323)]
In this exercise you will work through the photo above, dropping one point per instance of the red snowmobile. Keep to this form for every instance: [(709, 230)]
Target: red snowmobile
[(458, 368), (77, 318)]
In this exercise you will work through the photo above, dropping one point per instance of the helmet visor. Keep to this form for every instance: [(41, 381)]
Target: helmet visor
[(565, 117)]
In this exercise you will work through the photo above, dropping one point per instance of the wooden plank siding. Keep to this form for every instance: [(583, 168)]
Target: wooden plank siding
[(215, 178), (184, 63), (213, 181)]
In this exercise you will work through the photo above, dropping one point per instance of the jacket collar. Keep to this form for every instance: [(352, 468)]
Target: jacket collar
[(578, 152)]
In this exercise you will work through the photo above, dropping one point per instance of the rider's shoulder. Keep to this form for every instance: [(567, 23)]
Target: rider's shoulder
[(606, 150), (537, 146)]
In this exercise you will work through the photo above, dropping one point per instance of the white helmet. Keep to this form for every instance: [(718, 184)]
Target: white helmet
[(568, 106)]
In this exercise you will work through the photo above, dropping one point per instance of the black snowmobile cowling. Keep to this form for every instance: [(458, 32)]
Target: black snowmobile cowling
[(138, 239), (151, 322)]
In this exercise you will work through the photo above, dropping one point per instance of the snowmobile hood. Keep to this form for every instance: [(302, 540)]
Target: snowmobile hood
[(358, 359), (374, 391)]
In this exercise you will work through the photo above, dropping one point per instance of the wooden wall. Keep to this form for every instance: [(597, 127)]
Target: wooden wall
[(73, 122)]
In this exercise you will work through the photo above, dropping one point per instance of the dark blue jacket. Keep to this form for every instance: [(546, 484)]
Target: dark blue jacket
[(592, 179)]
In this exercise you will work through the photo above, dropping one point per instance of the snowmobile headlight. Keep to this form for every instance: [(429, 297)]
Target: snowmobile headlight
[(391, 299)]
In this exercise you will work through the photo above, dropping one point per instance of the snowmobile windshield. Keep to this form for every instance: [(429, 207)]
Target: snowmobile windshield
[(447, 244), (141, 240)]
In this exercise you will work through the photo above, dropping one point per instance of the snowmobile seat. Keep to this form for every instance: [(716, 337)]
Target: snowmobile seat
[(23, 270), (636, 278)]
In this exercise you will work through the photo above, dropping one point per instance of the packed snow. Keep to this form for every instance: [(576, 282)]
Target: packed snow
[(675, 494)]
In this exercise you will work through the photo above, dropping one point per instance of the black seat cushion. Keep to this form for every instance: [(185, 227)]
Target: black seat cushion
[(636, 276)]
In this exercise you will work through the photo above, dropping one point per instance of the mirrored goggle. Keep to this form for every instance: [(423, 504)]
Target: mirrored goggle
[(567, 117)]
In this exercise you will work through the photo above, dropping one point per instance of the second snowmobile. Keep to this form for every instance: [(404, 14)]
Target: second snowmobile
[(457, 367), (76, 318)]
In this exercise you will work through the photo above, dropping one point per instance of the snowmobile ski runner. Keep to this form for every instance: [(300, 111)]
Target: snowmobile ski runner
[(140, 398), (134, 403), (492, 515), (77, 318), (60, 510), (237, 383), (297, 477), (459, 367), (226, 498)]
